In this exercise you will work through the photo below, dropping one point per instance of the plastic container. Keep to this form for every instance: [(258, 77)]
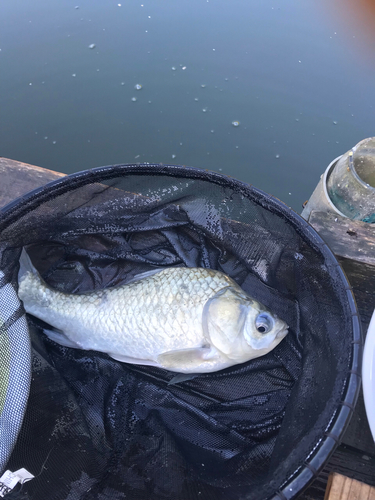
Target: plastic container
[(351, 185), (347, 187)]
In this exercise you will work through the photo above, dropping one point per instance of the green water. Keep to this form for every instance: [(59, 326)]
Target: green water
[(297, 76)]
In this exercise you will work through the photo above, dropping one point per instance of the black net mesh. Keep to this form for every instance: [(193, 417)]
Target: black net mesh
[(96, 428)]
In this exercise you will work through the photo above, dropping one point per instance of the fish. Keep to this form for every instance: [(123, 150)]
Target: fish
[(185, 320)]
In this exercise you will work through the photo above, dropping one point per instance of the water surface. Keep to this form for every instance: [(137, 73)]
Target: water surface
[(297, 76)]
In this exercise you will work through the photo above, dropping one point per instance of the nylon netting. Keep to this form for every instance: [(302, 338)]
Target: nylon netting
[(98, 428)]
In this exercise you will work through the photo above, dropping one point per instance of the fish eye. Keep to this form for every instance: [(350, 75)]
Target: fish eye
[(264, 323)]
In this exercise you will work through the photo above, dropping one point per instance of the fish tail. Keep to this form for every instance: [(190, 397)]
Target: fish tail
[(26, 266)]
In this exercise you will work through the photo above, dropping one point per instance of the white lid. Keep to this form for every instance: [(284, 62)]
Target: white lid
[(368, 374)]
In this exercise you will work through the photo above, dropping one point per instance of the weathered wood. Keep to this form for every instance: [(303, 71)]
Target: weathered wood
[(343, 488), (346, 461), (362, 279), (358, 434), (17, 179), (350, 239), (353, 243)]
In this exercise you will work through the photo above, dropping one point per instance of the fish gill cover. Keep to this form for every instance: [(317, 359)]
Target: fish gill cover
[(98, 428)]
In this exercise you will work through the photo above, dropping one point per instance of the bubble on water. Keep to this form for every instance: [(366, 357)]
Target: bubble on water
[(173, 156), (277, 156), (53, 142), (134, 99), (297, 119), (74, 74), (236, 123), (173, 68), (30, 83), (196, 99), (76, 7), (220, 169), (212, 131), (183, 67), (92, 46), (203, 85), (204, 110), (46, 137), (122, 83), (137, 86), (334, 122)]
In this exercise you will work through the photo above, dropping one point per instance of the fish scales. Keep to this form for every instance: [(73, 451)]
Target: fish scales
[(132, 315)]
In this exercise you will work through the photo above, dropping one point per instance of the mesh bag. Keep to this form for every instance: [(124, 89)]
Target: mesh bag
[(95, 428)]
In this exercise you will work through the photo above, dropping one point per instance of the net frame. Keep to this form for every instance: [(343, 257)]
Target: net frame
[(320, 451)]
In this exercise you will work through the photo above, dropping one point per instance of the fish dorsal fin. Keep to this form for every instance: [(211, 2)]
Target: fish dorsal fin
[(26, 266), (223, 318), (146, 274)]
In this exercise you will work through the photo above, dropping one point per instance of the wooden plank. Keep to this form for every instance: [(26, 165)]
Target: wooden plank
[(344, 488), (358, 434), (350, 239), (362, 279), (347, 461), (356, 255), (19, 178)]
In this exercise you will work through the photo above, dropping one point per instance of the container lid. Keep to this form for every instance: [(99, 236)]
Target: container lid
[(368, 374)]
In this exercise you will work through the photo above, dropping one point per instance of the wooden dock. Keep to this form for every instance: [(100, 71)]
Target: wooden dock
[(350, 473)]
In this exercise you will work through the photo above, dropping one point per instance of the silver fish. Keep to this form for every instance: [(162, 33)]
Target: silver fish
[(187, 320)]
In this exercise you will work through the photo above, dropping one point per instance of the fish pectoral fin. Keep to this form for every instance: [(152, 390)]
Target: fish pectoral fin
[(183, 377), (60, 338), (186, 360), (133, 361)]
